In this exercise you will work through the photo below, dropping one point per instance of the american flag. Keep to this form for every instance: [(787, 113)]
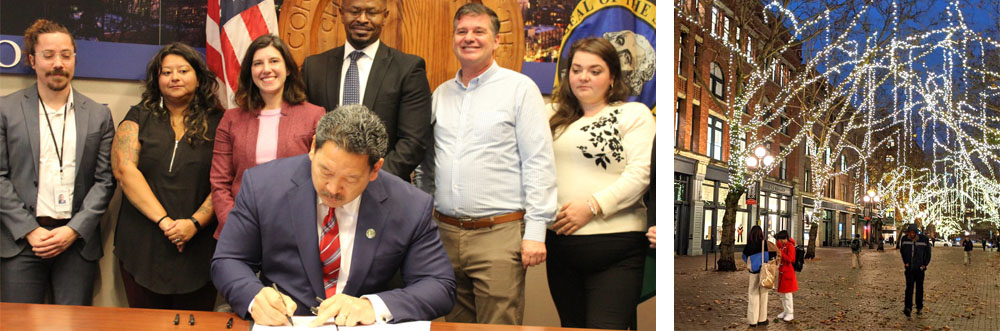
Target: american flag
[(241, 22)]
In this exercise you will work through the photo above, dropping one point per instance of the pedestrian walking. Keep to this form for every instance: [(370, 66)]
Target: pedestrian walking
[(856, 252), (754, 255), (787, 282), (915, 250), (984, 245), (967, 246)]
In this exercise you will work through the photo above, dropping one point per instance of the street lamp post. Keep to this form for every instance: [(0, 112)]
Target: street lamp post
[(871, 199), (760, 157)]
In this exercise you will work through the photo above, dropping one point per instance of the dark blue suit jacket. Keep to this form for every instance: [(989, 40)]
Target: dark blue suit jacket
[(272, 229)]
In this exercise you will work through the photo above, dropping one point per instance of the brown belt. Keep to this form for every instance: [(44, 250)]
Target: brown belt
[(51, 222), (470, 223)]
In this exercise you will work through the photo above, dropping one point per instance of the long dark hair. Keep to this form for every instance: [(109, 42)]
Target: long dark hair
[(248, 94), (756, 234), (568, 106), (205, 100)]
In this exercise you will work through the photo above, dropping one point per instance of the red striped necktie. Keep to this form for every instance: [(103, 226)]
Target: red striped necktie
[(329, 253)]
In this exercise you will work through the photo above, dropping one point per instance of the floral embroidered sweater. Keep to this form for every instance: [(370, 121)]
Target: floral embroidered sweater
[(607, 156)]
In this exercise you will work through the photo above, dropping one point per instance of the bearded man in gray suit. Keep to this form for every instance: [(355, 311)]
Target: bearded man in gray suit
[(54, 142)]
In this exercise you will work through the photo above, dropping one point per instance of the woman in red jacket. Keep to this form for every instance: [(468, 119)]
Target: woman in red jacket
[(786, 274), (273, 120)]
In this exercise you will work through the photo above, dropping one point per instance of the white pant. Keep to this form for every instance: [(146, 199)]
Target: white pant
[(786, 302), (756, 300)]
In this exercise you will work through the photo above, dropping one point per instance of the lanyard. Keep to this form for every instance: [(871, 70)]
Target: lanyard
[(58, 149)]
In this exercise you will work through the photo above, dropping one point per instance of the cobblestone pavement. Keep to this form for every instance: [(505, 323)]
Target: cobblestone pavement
[(832, 296)]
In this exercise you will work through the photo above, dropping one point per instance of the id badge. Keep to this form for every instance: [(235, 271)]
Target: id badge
[(63, 198)]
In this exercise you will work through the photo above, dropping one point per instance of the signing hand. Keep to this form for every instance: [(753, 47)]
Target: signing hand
[(572, 216), (271, 307), (55, 242), (348, 310), (532, 253), (651, 234)]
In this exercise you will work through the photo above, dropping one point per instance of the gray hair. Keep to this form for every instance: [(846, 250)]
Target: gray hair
[(476, 9), (355, 129)]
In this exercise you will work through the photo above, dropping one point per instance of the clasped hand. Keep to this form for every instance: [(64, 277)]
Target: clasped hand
[(50, 243), (178, 231)]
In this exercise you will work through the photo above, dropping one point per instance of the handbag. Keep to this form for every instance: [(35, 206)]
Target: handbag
[(769, 270)]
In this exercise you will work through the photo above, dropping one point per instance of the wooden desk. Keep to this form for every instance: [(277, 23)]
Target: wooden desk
[(28, 317)]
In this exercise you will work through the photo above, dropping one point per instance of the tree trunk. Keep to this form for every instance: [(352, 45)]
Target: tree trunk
[(813, 234), (871, 234), (727, 261)]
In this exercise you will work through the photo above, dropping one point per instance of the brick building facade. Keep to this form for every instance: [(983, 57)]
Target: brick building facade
[(706, 35)]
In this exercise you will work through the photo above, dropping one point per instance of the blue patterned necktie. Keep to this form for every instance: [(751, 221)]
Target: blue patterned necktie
[(351, 85)]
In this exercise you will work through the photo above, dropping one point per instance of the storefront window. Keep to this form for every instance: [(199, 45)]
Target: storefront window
[(680, 190), (719, 214), (708, 191), (708, 224), (742, 228)]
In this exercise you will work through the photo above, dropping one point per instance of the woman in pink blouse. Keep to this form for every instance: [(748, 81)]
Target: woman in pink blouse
[(272, 120)]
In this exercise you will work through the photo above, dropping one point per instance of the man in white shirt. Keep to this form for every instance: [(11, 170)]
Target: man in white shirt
[(331, 227), (493, 174), (55, 177), (389, 82)]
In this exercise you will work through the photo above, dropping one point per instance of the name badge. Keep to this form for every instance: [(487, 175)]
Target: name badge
[(63, 196)]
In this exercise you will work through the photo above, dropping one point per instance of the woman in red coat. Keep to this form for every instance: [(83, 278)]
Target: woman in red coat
[(786, 274)]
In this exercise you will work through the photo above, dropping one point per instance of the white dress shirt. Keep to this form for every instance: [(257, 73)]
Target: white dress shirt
[(492, 150), (364, 67), (347, 223), (49, 178)]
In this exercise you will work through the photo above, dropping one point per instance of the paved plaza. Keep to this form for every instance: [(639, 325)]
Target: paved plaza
[(832, 296)]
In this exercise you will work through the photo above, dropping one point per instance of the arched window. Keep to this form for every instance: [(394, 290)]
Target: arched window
[(718, 82)]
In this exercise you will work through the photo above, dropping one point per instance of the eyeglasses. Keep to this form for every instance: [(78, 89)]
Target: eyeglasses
[(372, 12), (50, 55)]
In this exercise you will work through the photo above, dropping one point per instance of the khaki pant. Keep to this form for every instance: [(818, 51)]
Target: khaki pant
[(856, 260), (968, 257), (756, 300), (488, 273)]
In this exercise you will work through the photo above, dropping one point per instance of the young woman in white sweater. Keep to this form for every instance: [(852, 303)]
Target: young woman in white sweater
[(602, 146)]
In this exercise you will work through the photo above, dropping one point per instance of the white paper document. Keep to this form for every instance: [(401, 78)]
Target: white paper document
[(302, 322)]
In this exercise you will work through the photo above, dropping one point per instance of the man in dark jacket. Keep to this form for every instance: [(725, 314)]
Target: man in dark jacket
[(915, 250), (967, 247), (856, 252)]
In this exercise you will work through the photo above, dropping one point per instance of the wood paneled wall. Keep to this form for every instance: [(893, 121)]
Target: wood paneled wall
[(420, 27)]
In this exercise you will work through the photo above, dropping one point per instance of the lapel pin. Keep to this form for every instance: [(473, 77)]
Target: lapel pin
[(370, 233)]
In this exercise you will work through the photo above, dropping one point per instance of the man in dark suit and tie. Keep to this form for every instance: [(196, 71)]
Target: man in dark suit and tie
[(331, 225), (55, 177), (391, 83)]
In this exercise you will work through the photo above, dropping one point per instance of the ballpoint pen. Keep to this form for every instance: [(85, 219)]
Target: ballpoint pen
[(315, 311), (275, 286)]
